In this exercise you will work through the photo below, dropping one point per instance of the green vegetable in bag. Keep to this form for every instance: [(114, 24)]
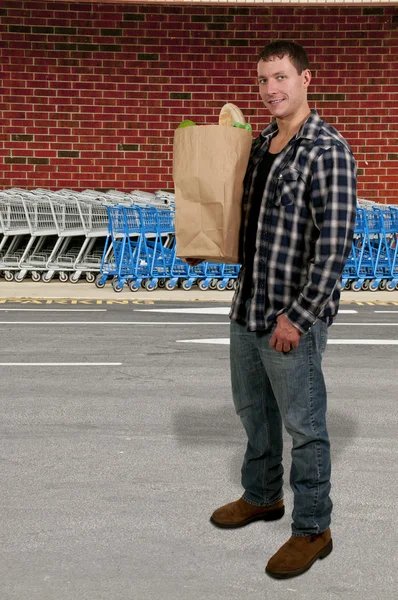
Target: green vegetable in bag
[(186, 123), (247, 126)]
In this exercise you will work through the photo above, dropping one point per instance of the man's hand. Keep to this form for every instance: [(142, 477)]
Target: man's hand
[(286, 336), (193, 262)]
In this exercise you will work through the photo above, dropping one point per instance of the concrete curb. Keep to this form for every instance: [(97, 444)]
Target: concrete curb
[(87, 291)]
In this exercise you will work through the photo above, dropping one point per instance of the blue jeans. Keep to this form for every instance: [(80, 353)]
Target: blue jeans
[(269, 389)]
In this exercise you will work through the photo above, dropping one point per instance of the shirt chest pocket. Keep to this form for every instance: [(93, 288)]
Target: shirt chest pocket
[(287, 188)]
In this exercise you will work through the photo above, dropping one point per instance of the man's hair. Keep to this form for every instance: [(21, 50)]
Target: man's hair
[(296, 53)]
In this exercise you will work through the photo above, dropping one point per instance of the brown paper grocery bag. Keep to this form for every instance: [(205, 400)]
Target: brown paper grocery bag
[(209, 165)]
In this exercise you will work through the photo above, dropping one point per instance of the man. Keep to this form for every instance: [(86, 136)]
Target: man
[(298, 218)]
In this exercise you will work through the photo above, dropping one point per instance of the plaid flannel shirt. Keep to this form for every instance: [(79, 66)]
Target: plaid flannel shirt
[(305, 228)]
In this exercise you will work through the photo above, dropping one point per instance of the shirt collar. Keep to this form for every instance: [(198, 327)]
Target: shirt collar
[(308, 130)]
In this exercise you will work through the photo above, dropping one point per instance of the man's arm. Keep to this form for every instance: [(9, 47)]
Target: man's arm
[(333, 206)]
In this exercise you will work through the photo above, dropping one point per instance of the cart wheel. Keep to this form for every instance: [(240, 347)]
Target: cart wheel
[(100, 281), (390, 286), (186, 285), (365, 285), (46, 278), (373, 286), (8, 275), (73, 278), (63, 277), (18, 277), (235, 284), (348, 285), (356, 286), (161, 282), (169, 285), (220, 285), (35, 276), (382, 284), (150, 285), (134, 286), (90, 277), (203, 285), (117, 286), (230, 284), (213, 284)]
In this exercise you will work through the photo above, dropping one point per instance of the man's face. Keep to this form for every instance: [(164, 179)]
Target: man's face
[(282, 89)]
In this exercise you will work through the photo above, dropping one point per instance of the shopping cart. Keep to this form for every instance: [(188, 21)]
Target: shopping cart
[(125, 256), (17, 233), (372, 263)]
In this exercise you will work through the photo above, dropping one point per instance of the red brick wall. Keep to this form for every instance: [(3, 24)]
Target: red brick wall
[(92, 92)]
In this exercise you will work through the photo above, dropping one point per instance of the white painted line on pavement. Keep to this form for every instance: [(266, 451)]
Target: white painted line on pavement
[(330, 341), (364, 342), (226, 322), (55, 309), (206, 341), (216, 310), (98, 323), (124, 323), (61, 364), (386, 311), (365, 324)]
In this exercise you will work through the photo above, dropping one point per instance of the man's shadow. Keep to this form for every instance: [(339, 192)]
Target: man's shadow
[(221, 428)]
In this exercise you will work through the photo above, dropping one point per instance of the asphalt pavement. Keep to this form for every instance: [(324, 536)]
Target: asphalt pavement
[(119, 439)]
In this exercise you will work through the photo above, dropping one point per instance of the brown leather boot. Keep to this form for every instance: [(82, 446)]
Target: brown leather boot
[(299, 554), (241, 513)]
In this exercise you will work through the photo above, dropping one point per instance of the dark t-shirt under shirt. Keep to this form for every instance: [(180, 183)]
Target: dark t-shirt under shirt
[(260, 180)]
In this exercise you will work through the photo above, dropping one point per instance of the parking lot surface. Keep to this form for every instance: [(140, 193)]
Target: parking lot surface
[(119, 439)]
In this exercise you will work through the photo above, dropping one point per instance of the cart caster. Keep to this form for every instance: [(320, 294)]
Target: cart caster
[(19, 277), (117, 286), (203, 285), (170, 284), (161, 282), (186, 285), (347, 285), (365, 285), (373, 285), (8, 275), (221, 285), (35, 276), (230, 284), (356, 286), (390, 286), (150, 285), (63, 277), (134, 285), (46, 277), (100, 281), (90, 277), (382, 285), (213, 284), (74, 277)]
